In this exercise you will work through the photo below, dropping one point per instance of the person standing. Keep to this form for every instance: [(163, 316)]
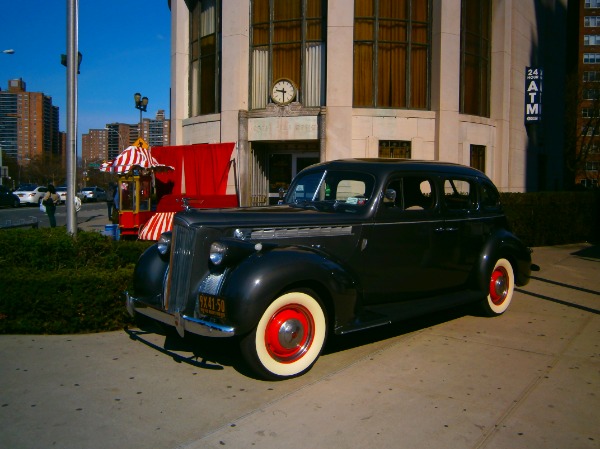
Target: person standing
[(110, 199), (50, 200)]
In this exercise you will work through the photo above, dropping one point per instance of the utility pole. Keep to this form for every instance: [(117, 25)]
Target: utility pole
[(72, 68)]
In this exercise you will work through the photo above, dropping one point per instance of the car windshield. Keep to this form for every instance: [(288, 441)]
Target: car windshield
[(331, 190)]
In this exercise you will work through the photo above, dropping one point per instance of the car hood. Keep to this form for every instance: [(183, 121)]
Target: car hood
[(267, 216)]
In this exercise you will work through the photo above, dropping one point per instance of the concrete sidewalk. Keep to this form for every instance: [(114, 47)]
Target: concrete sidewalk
[(529, 379)]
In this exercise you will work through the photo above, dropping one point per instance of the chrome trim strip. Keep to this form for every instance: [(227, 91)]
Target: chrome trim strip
[(286, 233), (188, 323)]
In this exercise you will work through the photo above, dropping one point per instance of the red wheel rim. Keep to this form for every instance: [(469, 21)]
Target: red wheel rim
[(289, 333), (499, 285)]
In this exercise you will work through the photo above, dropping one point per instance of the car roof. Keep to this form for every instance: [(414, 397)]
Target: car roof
[(382, 166)]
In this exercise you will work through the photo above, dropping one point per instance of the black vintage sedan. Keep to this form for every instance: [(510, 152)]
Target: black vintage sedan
[(354, 244)]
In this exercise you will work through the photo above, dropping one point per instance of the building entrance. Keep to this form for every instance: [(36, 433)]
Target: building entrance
[(274, 165)]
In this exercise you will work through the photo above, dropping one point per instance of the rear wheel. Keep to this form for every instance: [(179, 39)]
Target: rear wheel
[(288, 338), (500, 289)]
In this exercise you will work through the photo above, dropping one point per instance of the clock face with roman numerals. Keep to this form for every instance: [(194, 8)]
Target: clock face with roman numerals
[(283, 91)]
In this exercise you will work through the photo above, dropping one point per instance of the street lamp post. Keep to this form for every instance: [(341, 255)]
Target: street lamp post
[(140, 103)]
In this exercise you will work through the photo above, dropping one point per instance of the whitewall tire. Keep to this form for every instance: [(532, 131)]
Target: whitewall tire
[(501, 286), (289, 336)]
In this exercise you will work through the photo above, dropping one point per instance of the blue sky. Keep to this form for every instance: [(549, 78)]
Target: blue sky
[(125, 46)]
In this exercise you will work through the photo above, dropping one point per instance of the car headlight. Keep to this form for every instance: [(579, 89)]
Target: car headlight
[(227, 251), (217, 252), (164, 243)]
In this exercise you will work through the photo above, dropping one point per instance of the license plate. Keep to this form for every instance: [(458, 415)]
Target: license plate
[(211, 305)]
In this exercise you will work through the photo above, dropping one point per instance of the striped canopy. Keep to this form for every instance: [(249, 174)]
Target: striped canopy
[(158, 223), (131, 158)]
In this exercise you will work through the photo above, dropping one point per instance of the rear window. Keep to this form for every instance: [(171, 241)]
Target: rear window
[(460, 194)]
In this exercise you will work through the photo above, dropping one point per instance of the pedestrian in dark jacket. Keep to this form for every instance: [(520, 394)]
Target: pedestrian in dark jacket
[(50, 201), (110, 199)]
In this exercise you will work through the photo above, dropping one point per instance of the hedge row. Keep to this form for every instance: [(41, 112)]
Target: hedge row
[(52, 283), (554, 218)]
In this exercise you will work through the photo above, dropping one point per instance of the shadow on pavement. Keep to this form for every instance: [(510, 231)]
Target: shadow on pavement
[(216, 353), (591, 252)]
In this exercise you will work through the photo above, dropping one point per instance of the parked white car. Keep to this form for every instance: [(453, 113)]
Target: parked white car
[(92, 194), (62, 192), (31, 195)]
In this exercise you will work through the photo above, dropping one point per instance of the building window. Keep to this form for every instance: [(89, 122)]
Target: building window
[(288, 41), (205, 57), (590, 113), (591, 39), (591, 21), (478, 157), (592, 166), (589, 183), (591, 58), (591, 94), (591, 76), (592, 4), (475, 57), (589, 130), (395, 149), (392, 45)]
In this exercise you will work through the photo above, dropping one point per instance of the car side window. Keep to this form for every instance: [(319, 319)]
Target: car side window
[(490, 198), (408, 194), (460, 195)]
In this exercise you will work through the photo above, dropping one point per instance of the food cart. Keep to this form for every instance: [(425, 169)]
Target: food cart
[(153, 184)]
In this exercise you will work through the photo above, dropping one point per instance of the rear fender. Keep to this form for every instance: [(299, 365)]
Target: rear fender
[(503, 245), (253, 284)]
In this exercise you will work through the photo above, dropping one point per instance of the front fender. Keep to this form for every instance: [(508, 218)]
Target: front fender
[(149, 273), (263, 276)]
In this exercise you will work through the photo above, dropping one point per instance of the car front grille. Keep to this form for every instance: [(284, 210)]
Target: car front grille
[(180, 268)]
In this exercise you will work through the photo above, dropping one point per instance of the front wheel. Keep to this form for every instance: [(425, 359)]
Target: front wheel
[(288, 338), (500, 289)]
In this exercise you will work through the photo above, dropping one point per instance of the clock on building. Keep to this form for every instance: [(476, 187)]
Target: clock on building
[(283, 91)]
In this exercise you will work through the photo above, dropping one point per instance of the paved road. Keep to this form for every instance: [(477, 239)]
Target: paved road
[(529, 379), (92, 216)]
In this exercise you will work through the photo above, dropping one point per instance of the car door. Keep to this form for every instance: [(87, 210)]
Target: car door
[(463, 232), (403, 254)]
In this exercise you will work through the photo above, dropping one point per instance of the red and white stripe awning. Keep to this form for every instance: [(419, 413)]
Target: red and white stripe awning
[(133, 157), (158, 223)]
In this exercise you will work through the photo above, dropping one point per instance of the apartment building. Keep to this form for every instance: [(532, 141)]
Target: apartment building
[(29, 124), (584, 158)]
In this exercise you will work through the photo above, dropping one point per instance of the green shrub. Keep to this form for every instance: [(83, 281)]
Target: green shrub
[(553, 218), (54, 283)]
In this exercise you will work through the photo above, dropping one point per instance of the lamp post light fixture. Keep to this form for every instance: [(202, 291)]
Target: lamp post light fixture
[(140, 103), (10, 51)]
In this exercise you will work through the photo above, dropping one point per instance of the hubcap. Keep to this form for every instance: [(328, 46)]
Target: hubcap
[(289, 333), (499, 286)]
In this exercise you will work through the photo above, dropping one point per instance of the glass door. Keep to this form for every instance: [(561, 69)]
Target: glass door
[(282, 169)]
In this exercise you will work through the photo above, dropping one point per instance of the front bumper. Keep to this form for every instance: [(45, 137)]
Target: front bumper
[(181, 322)]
